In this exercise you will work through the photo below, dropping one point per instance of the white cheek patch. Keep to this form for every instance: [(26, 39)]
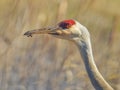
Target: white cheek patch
[(75, 31), (66, 32)]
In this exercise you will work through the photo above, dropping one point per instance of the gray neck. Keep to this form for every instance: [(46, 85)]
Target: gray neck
[(95, 77)]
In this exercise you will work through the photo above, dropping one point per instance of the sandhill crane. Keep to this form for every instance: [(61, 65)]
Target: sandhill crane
[(72, 30)]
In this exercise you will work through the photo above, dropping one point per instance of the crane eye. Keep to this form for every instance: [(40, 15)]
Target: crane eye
[(64, 25)]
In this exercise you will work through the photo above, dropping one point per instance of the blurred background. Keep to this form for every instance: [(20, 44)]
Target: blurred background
[(47, 63)]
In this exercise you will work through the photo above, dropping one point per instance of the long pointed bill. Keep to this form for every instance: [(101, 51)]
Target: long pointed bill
[(56, 31), (51, 30)]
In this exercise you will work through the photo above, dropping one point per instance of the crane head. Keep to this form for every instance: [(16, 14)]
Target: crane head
[(67, 29)]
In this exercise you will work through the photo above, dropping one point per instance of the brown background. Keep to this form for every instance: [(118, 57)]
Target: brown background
[(47, 63)]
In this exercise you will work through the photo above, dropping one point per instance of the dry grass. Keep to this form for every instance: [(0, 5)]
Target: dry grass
[(46, 63)]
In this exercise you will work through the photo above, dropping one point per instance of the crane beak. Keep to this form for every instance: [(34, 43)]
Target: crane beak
[(50, 30), (55, 31)]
